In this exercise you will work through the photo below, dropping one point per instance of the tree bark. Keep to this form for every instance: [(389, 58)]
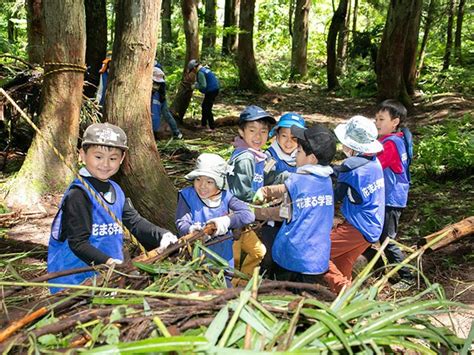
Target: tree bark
[(96, 42), (35, 30), (127, 104), (64, 42), (411, 47), (342, 42), (209, 33), (249, 78), (449, 36), (458, 33), (426, 31), (166, 31), (354, 16), (231, 17), (337, 22), (299, 43), (391, 54), (191, 31), (455, 231)]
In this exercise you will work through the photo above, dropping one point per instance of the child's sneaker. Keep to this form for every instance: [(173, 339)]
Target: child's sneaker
[(403, 285), (179, 136)]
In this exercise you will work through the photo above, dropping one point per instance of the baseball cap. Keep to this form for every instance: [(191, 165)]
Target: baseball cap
[(359, 134), (287, 120), (210, 165), (105, 134), (254, 113), (320, 139)]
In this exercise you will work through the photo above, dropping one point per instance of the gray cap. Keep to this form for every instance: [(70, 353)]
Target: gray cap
[(105, 134)]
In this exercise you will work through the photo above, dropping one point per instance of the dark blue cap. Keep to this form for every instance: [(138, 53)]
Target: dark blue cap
[(254, 113)]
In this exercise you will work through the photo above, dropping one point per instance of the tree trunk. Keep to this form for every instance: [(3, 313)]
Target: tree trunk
[(458, 34), (231, 17), (209, 33), (34, 23), (354, 16), (390, 58), (411, 47), (449, 35), (342, 42), (337, 22), (249, 78), (191, 31), (64, 42), (166, 31), (11, 29), (426, 31), (127, 104), (96, 42), (299, 44)]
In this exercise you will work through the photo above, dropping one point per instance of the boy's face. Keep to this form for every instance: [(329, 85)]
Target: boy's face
[(102, 162), (303, 159), (286, 140), (205, 187), (385, 124), (255, 134)]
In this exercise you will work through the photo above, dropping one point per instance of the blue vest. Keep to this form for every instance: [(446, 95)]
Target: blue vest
[(257, 181), (200, 212), (106, 236), (104, 77), (303, 244), (211, 80), (368, 181), (155, 111), (397, 185), (281, 165)]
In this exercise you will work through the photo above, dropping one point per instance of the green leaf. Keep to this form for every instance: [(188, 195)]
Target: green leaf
[(217, 326)]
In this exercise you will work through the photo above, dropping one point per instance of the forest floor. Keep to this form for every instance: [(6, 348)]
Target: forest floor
[(432, 205)]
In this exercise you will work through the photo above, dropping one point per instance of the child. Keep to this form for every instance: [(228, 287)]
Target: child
[(103, 78), (208, 202), (207, 83), (395, 163), (248, 162), (360, 187), (302, 246), (83, 233), (281, 161)]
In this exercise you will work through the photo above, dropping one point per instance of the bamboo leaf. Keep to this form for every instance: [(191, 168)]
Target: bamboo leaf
[(217, 326), (244, 298)]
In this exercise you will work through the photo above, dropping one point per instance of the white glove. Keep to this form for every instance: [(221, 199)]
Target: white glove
[(196, 227), (167, 239), (111, 261), (222, 224)]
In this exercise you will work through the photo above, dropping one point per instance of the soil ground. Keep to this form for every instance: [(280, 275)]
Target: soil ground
[(452, 267)]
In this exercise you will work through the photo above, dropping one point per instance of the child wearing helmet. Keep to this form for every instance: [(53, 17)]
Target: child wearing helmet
[(360, 187), (83, 231), (207, 201), (248, 161)]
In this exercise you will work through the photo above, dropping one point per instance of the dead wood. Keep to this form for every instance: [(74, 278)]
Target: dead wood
[(455, 231)]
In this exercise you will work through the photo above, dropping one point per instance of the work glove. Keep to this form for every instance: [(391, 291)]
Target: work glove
[(167, 239), (259, 197), (196, 227), (111, 261), (222, 225)]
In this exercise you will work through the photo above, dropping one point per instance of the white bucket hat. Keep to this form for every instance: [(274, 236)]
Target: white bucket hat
[(158, 75), (359, 134), (210, 165)]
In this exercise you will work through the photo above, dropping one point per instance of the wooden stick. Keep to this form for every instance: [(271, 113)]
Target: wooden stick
[(16, 325), (455, 231)]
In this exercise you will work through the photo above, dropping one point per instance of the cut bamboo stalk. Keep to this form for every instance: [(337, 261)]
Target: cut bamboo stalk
[(17, 325), (455, 231)]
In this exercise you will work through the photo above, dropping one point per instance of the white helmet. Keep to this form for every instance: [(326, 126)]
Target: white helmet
[(210, 165)]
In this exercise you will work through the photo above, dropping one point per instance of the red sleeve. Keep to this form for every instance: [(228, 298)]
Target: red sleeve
[(389, 157)]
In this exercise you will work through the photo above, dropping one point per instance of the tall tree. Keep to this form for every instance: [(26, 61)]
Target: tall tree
[(231, 17), (337, 22), (166, 29), (191, 31), (449, 35), (64, 44), (426, 30), (127, 104), (354, 16), (249, 78), (34, 24), (391, 59), (411, 47), (96, 41), (458, 33), (343, 41), (209, 33), (299, 43)]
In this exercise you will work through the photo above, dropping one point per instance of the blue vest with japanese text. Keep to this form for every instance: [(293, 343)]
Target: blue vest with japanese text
[(257, 181), (106, 236), (368, 181), (281, 165), (397, 185), (211, 80), (155, 111), (303, 244), (202, 213)]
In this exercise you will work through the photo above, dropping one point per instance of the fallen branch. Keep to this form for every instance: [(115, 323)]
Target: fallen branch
[(455, 231)]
